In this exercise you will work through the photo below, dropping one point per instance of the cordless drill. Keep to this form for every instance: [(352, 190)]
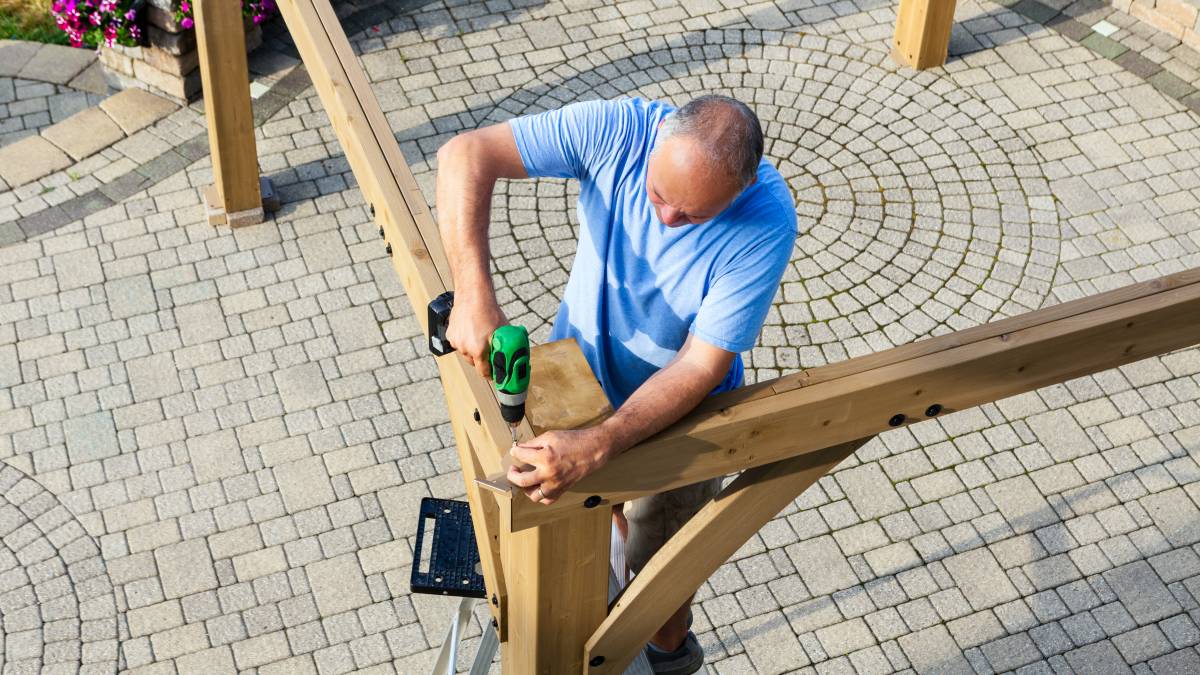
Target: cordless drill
[(508, 356)]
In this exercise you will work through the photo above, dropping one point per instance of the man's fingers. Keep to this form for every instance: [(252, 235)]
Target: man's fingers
[(527, 455), (524, 479), (538, 494)]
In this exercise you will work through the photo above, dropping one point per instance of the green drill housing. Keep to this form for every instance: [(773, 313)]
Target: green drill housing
[(510, 370)]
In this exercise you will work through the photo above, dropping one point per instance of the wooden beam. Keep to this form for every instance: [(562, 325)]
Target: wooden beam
[(854, 402), (221, 41), (703, 544), (558, 574), (922, 37)]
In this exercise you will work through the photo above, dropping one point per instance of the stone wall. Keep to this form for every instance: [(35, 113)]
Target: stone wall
[(1179, 18), (169, 64)]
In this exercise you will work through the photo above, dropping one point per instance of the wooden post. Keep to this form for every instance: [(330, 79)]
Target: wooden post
[(235, 197), (557, 574), (923, 33)]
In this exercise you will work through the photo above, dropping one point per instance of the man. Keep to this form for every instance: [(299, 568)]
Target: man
[(685, 234)]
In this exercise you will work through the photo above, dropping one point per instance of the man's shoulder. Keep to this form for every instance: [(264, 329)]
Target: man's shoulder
[(768, 205)]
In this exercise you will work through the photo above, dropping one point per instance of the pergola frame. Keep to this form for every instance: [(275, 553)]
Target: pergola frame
[(546, 567)]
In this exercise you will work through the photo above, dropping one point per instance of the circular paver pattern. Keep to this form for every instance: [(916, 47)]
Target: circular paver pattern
[(57, 611), (920, 211)]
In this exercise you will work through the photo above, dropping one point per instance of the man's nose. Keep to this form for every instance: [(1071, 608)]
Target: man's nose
[(672, 216)]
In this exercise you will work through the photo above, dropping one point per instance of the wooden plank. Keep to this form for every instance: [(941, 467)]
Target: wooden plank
[(958, 338), (558, 592), (703, 544), (922, 37), (485, 519), (826, 413), (221, 41), (563, 390)]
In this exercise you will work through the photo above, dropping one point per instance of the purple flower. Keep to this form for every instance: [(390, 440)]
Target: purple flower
[(187, 22), (185, 7), (131, 15)]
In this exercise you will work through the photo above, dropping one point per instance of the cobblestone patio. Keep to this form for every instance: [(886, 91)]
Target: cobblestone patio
[(212, 443)]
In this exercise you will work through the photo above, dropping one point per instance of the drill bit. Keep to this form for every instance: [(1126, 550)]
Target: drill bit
[(513, 429)]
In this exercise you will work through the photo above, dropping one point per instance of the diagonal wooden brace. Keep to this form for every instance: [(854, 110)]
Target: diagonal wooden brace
[(696, 551)]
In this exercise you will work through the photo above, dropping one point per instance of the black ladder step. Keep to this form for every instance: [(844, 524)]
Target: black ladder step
[(445, 559)]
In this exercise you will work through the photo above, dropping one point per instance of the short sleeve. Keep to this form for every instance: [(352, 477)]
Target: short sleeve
[(732, 312), (567, 141)]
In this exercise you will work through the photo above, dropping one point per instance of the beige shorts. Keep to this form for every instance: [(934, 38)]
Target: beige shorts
[(654, 519)]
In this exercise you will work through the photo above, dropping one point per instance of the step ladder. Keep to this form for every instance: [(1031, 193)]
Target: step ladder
[(446, 562)]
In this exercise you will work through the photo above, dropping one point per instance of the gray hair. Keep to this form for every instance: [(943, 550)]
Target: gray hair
[(727, 130)]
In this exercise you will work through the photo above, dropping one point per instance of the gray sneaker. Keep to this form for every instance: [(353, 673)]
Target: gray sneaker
[(683, 661)]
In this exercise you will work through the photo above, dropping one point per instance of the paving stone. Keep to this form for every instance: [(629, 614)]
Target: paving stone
[(215, 456), (185, 568), (1062, 436), (1099, 657), (130, 296), (84, 134), (770, 643), (933, 651), (869, 491), (134, 109), (980, 578), (821, 565), (1142, 644), (1177, 663), (14, 55), (1175, 514), (1142, 592), (201, 322), (355, 328), (304, 484), (324, 251), (338, 584), (1011, 652), (56, 63), (153, 377), (1023, 506), (90, 437), (301, 387), (78, 269)]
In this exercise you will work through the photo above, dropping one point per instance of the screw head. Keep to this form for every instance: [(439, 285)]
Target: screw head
[(477, 415), (495, 624), (591, 502), (596, 661), (933, 410), (381, 231), (495, 601), (897, 420), (389, 249), (372, 210)]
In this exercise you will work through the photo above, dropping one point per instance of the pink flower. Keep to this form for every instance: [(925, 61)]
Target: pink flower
[(131, 15), (94, 17), (187, 22), (185, 7)]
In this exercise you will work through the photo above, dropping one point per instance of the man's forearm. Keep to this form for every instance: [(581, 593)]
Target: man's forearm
[(464, 191), (664, 398)]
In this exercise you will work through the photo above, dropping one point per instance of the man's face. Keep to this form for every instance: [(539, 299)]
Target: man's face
[(683, 186)]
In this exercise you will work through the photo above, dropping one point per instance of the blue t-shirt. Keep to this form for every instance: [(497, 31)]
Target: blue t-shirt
[(638, 287)]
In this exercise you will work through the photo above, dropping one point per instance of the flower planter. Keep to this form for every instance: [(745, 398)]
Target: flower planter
[(168, 63)]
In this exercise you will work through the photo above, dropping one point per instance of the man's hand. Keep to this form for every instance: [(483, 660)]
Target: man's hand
[(472, 323), (556, 460)]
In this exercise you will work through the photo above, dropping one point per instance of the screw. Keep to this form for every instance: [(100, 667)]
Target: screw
[(933, 410), (591, 502), (596, 661), (897, 420), (381, 232), (495, 602), (389, 249), (477, 415), (495, 624), (372, 210)]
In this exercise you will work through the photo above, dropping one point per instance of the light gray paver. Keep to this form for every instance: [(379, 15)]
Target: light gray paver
[(84, 134), (980, 578), (338, 584), (1142, 592), (185, 568)]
